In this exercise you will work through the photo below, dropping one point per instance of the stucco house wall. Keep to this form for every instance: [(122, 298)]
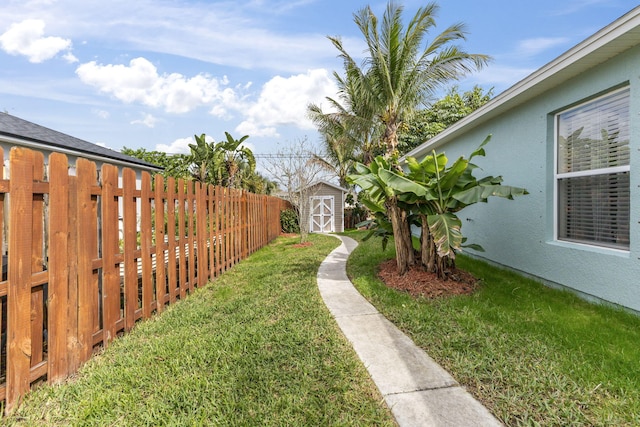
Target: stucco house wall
[(521, 233)]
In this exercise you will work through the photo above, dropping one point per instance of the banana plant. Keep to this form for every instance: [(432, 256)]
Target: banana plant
[(451, 189), (434, 192)]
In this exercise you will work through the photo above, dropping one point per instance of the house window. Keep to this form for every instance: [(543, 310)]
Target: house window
[(592, 172)]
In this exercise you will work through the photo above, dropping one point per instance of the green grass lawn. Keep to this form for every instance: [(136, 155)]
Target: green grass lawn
[(257, 347), (533, 355)]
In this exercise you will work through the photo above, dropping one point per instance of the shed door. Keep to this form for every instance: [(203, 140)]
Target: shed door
[(321, 214)]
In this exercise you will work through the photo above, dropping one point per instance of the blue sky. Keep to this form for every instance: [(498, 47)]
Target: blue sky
[(152, 73)]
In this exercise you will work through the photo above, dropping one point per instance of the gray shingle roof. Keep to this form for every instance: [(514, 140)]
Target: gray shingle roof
[(15, 127)]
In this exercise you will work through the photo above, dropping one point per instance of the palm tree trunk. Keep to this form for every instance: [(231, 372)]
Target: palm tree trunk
[(401, 235)]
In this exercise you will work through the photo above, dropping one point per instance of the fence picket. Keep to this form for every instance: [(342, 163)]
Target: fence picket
[(130, 236), (73, 343), (191, 262), (58, 267), (19, 292), (161, 278), (182, 262), (37, 264), (111, 298), (146, 244), (171, 240)]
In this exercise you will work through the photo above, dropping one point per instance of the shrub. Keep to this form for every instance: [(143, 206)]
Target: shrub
[(289, 221)]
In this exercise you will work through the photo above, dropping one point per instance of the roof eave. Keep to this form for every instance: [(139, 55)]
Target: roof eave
[(43, 145), (617, 37)]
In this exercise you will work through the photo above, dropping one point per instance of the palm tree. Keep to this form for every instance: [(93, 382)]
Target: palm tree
[(351, 130), (400, 73)]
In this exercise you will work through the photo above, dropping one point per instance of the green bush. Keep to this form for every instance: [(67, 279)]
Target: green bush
[(289, 221)]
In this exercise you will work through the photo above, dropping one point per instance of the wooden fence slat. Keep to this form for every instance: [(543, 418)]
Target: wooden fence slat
[(171, 238), (227, 229), (236, 212), (19, 292), (87, 246), (201, 235), (37, 264), (2, 271), (191, 264), (212, 232), (73, 347), (160, 237), (110, 247), (130, 235), (58, 267), (218, 216), (182, 266), (146, 244)]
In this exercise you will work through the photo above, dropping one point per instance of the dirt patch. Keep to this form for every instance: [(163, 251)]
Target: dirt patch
[(419, 283), (303, 245)]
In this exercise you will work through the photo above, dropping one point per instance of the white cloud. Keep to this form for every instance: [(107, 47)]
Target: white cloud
[(249, 128), (532, 47), (101, 113), (70, 57), (228, 33), (27, 38), (179, 146), (140, 82), (148, 120), (284, 101)]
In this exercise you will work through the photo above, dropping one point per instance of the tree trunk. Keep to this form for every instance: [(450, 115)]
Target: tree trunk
[(390, 136), (401, 235), (431, 261), (427, 247)]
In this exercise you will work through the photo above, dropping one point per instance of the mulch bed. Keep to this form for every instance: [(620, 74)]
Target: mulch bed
[(419, 283)]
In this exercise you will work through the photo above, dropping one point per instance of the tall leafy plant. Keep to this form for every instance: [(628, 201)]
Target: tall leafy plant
[(430, 194)]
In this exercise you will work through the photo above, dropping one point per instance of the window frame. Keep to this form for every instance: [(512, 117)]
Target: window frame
[(557, 176)]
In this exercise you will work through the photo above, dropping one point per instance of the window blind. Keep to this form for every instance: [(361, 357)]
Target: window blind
[(593, 188), (595, 209), (595, 135)]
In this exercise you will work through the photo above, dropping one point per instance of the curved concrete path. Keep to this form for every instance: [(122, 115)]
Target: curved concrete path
[(418, 391)]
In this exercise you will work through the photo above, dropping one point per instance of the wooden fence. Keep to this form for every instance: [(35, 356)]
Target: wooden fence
[(86, 259)]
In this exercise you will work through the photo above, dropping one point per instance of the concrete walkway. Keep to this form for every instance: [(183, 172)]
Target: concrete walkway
[(418, 391)]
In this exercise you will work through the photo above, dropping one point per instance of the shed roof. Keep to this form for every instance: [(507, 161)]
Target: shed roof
[(18, 131), (337, 187), (612, 40)]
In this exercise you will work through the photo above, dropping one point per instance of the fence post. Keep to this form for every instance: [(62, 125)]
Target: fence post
[(19, 292)]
